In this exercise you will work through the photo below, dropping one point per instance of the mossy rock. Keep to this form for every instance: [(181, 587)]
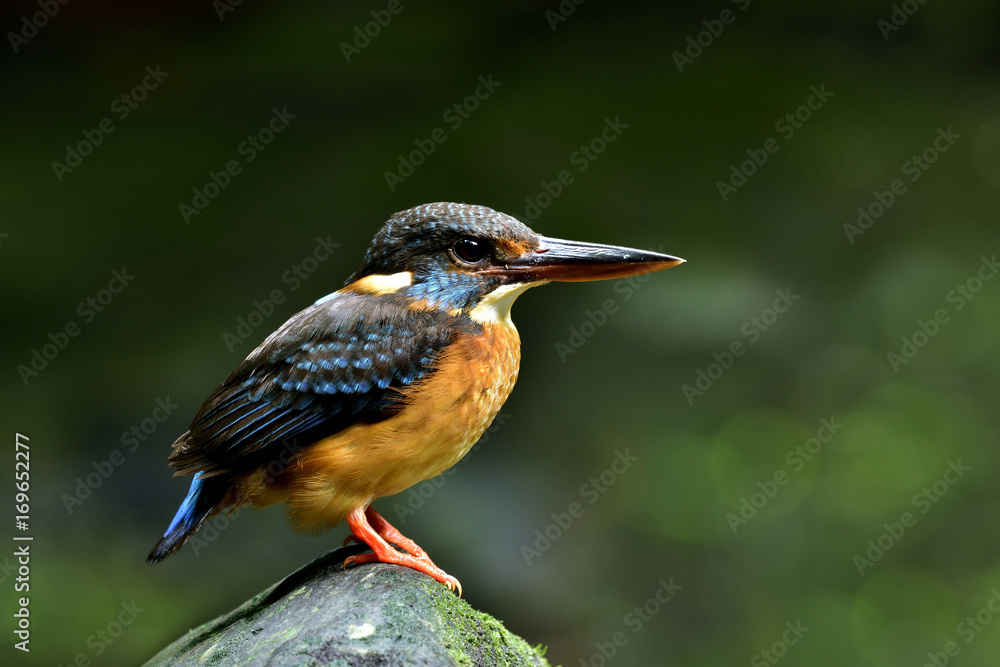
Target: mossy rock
[(371, 615)]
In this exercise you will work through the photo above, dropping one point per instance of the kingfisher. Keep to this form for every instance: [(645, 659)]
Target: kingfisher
[(383, 384)]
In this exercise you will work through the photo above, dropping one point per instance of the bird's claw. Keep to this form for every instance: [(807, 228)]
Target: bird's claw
[(453, 585), (428, 568)]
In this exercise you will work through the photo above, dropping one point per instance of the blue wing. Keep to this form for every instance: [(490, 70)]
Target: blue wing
[(341, 361)]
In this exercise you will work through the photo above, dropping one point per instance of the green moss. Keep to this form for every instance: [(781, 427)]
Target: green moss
[(370, 615), (476, 638)]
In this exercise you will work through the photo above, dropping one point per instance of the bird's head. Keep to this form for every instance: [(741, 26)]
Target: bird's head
[(476, 260)]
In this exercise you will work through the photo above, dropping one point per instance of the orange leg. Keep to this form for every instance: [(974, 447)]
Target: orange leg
[(369, 527), (389, 533)]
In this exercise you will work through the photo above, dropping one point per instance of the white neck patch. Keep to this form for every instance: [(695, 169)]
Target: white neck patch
[(377, 284), (382, 284)]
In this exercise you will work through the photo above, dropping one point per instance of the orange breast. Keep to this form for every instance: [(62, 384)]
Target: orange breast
[(440, 418)]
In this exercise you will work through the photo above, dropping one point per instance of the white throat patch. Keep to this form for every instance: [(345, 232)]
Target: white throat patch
[(495, 306)]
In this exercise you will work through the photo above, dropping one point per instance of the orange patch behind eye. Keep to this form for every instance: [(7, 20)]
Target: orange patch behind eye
[(512, 247)]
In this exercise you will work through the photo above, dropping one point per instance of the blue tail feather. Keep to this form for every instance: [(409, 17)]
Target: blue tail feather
[(202, 501)]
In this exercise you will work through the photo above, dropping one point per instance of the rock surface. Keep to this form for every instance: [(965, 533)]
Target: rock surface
[(367, 616)]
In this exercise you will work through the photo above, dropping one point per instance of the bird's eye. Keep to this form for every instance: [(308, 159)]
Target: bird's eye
[(471, 251)]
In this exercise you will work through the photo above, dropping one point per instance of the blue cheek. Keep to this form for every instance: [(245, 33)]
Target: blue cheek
[(447, 290)]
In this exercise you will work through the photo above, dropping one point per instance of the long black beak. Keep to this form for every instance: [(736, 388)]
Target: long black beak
[(574, 261)]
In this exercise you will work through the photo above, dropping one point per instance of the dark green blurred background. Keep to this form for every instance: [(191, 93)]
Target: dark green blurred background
[(664, 520)]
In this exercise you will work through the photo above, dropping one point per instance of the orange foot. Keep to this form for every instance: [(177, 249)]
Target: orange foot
[(369, 527)]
